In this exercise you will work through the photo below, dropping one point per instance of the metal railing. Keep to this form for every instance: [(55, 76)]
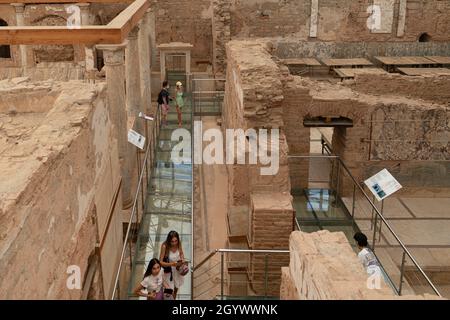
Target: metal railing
[(207, 96), (134, 220), (350, 194), (190, 79), (261, 270)]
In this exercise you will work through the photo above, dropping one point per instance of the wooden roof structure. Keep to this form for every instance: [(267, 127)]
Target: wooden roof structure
[(114, 32)]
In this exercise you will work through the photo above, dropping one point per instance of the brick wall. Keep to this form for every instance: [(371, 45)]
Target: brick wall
[(185, 21), (434, 89), (344, 20), (323, 266)]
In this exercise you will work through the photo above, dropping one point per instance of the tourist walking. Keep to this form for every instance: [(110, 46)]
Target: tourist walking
[(172, 260), (153, 284)]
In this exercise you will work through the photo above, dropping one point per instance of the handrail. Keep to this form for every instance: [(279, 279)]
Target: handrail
[(209, 256), (222, 252), (213, 253), (378, 214), (189, 77), (133, 213), (390, 228)]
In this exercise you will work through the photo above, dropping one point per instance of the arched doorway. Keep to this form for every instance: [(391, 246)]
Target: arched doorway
[(5, 50), (424, 37)]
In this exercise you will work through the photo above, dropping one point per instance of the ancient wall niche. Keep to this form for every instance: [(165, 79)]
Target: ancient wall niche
[(52, 53), (5, 50)]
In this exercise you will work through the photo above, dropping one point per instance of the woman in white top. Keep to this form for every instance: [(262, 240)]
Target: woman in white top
[(153, 284), (171, 257)]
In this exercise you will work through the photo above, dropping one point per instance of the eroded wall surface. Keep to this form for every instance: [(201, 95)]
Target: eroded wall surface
[(392, 127), (253, 100), (60, 174), (323, 266)]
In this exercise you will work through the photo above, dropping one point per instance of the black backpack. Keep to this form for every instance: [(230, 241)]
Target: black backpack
[(160, 96)]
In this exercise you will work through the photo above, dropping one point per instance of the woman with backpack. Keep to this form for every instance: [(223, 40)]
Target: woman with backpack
[(172, 260)]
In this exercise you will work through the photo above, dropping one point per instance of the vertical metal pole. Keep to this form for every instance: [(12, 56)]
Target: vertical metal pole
[(373, 211), (353, 206), (337, 182), (402, 272), (374, 232), (138, 186), (322, 142), (141, 168), (353, 201), (131, 257), (381, 221), (221, 275), (265, 274)]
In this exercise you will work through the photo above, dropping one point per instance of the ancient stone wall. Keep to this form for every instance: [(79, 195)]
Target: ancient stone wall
[(253, 100), (270, 226), (8, 14), (345, 20), (52, 15), (186, 21), (57, 194), (291, 48), (323, 266), (221, 33), (389, 130), (433, 89)]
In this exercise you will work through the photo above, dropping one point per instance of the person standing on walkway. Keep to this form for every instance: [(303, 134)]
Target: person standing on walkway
[(153, 284), (180, 101), (163, 101), (172, 257), (365, 255)]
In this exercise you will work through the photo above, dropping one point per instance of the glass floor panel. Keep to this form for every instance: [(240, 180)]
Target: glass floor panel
[(316, 210), (166, 145), (171, 173), (165, 223), (169, 203), (322, 203), (166, 132), (166, 186), (173, 125), (166, 156)]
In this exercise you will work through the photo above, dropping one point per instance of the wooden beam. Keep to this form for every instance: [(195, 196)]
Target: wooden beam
[(130, 17), (60, 35), (113, 33), (63, 1)]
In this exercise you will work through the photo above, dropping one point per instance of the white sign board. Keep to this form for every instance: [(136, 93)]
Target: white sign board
[(383, 184), (136, 139)]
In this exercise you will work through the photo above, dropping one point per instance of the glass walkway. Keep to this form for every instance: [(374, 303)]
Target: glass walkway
[(168, 203), (319, 209)]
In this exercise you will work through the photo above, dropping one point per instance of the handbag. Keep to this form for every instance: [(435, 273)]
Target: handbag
[(183, 268)]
